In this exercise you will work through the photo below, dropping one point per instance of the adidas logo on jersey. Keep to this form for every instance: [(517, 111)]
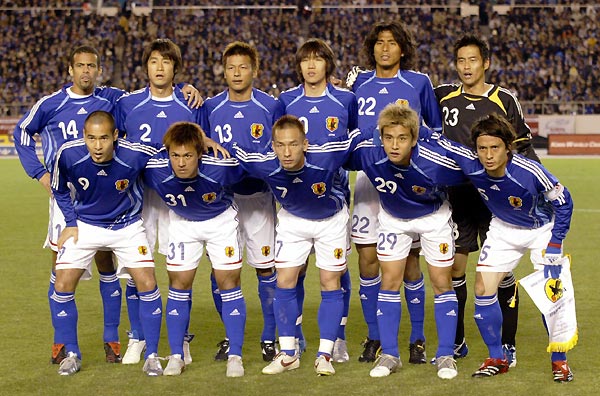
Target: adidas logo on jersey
[(451, 313), (235, 312), (116, 293), (61, 314), (82, 111), (101, 173), (189, 189), (238, 115), (173, 312), (314, 110), (383, 91), (495, 187), (379, 313), (415, 301), (297, 180), (161, 115), (470, 107), (157, 311), (399, 175)]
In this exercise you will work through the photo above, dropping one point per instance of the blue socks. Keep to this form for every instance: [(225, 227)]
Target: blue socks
[(64, 320), (414, 295), (389, 313), (285, 306), (266, 294), (446, 316), (110, 290), (151, 318), (368, 291), (488, 317), (234, 318), (178, 315)]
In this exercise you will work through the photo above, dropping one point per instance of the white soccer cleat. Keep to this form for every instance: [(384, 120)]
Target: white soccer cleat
[(70, 365), (446, 366), (340, 351), (385, 365), (175, 366), (135, 349), (235, 366), (152, 366), (282, 362), (323, 366)]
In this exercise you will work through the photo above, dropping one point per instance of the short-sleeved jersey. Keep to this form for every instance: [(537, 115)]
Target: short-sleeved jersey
[(140, 117), (408, 192), (526, 196), (197, 199), (246, 123), (326, 118), (107, 195), (460, 110), (57, 118), (413, 88), (309, 193)]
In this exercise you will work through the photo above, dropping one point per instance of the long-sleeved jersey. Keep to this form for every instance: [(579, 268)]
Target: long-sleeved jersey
[(107, 195), (408, 192), (143, 118), (460, 111), (413, 88), (309, 193), (197, 199), (526, 196), (57, 118), (245, 123)]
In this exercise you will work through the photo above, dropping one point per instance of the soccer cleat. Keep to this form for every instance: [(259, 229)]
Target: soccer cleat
[(235, 366), (269, 350), (340, 351), (70, 365), (135, 348), (152, 366), (446, 367), (461, 350), (175, 366), (187, 356), (385, 365), (113, 352), (417, 352), (510, 352), (491, 367), (282, 362), (323, 366), (58, 353), (223, 351), (561, 371), (371, 351)]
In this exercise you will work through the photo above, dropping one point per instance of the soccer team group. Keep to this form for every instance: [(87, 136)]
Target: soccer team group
[(438, 170)]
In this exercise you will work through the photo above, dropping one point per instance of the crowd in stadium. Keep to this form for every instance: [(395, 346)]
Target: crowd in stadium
[(547, 55)]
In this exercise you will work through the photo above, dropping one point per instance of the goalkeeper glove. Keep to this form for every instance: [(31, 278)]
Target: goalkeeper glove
[(552, 256)]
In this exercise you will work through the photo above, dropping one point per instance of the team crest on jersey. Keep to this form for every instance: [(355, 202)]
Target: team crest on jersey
[(121, 185), (319, 188), (554, 289), (403, 102), (332, 123), (209, 197), (444, 248), (229, 251), (419, 190), (143, 250), (265, 250), (515, 202), (256, 130), (338, 253)]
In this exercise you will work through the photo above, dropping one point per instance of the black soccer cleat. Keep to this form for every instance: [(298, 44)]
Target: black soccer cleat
[(371, 351)]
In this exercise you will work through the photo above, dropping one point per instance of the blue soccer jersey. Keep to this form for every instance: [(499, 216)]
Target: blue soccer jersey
[(413, 88), (408, 192), (246, 123), (57, 118), (309, 193), (326, 118), (200, 198), (140, 117), (107, 195), (526, 196)]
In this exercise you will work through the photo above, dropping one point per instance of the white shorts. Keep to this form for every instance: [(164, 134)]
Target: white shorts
[(364, 214), (295, 237), (434, 231), (187, 239), (256, 213), (505, 244), (155, 214), (129, 244), (56, 223)]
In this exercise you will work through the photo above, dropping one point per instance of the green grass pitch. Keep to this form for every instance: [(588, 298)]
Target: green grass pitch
[(26, 331)]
